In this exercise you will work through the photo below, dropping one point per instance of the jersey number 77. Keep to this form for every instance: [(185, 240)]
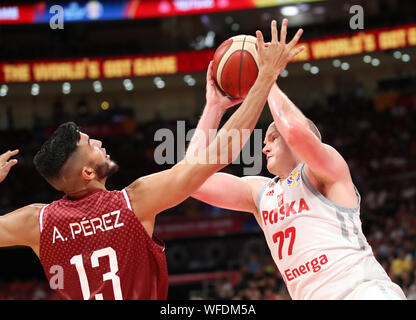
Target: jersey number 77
[(281, 236)]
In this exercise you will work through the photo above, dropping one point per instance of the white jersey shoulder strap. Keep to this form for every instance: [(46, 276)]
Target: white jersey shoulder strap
[(40, 217), (325, 200), (263, 188)]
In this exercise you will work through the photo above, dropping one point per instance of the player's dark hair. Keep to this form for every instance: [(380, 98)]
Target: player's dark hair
[(56, 150)]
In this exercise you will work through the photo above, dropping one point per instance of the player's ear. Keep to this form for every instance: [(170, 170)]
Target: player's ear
[(88, 173)]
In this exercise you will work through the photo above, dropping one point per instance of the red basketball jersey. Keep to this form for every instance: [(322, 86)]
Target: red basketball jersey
[(100, 249)]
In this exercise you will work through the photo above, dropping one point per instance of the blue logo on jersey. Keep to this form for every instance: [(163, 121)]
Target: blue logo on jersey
[(293, 178)]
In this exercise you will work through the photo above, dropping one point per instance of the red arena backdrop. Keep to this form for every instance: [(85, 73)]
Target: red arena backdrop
[(110, 67), (75, 11), (196, 61), (227, 224)]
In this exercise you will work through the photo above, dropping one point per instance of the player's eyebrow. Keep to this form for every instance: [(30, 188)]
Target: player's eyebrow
[(267, 136)]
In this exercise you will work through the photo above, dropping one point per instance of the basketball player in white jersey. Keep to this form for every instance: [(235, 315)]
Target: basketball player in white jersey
[(309, 213)]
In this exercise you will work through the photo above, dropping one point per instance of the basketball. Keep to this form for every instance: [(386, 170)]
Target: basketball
[(235, 67)]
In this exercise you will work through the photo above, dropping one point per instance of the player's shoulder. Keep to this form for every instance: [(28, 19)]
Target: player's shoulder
[(253, 180), (332, 150), (257, 184), (37, 206), (143, 182), (24, 215), (25, 219), (339, 169), (31, 209), (336, 158)]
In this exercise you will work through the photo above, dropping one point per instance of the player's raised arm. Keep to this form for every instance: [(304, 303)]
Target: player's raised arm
[(184, 178), (220, 189), (217, 102), (321, 159), (216, 105), (225, 190), (297, 130), (20, 226)]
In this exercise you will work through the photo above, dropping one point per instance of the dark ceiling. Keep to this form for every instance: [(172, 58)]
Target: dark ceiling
[(193, 32)]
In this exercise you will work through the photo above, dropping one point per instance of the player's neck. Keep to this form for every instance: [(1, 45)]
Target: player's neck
[(285, 170), (81, 191)]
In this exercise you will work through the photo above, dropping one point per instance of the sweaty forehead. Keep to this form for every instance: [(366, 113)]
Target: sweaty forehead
[(271, 129)]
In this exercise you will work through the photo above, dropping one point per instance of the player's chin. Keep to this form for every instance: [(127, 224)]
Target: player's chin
[(107, 169), (112, 167), (270, 164)]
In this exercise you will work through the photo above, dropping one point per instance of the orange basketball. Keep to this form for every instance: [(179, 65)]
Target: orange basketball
[(235, 67)]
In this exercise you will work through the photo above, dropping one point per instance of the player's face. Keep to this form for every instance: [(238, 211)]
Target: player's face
[(98, 156), (275, 148)]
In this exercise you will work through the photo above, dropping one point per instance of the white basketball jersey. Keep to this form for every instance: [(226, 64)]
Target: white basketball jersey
[(318, 246)]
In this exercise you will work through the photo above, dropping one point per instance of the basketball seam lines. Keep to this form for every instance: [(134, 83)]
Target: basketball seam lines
[(223, 70), (257, 67), (241, 63), (253, 59)]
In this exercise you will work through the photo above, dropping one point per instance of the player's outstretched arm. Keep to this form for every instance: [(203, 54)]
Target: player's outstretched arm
[(21, 227), (216, 105), (324, 162), (6, 163), (230, 192), (155, 193), (224, 190), (220, 189)]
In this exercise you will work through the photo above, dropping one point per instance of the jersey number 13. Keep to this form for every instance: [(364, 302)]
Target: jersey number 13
[(111, 275)]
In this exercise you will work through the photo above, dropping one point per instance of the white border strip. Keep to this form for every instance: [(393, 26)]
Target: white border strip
[(126, 196), (41, 218)]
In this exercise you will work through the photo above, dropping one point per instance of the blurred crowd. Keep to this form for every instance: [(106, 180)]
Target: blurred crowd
[(377, 141), (27, 290)]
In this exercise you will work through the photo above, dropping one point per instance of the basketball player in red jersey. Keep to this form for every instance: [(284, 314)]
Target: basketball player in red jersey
[(99, 244)]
